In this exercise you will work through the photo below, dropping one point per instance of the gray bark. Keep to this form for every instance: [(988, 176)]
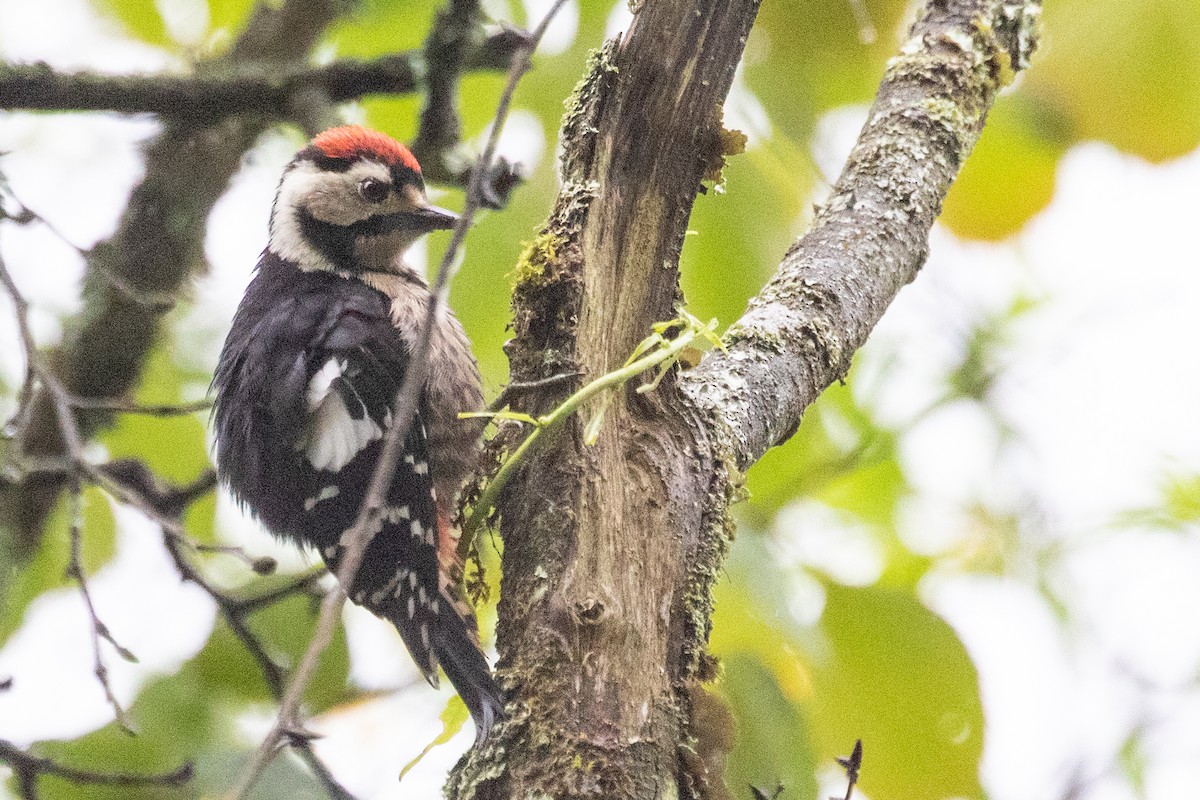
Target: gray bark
[(611, 550), (871, 236), (247, 90)]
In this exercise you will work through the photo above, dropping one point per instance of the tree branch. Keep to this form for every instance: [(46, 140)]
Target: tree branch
[(209, 98), (595, 612), (28, 768), (445, 56), (155, 252), (871, 236), (611, 551), (99, 630)]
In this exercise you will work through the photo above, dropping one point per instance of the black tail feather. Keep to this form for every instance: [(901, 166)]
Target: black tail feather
[(468, 671)]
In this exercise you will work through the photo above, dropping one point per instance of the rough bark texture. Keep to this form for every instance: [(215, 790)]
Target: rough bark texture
[(203, 98), (611, 550), (596, 640), (871, 235)]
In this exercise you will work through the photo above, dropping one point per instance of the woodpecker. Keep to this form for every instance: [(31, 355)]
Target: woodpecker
[(305, 384)]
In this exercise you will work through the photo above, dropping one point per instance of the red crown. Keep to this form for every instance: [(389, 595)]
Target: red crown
[(353, 141)]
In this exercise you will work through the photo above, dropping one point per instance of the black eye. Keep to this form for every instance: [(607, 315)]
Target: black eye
[(373, 191)]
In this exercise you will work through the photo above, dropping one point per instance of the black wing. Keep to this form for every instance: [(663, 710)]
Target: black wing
[(304, 394)]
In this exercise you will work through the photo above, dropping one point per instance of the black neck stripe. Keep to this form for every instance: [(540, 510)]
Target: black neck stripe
[(334, 242)]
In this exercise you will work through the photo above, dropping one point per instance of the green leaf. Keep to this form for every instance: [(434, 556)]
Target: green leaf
[(453, 717), (592, 431), (836, 455), (175, 717), (228, 16), (772, 743), (140, 18), (1177, 509), (287, 627), (1181, 498), (1125, 73), (741, 233), (878, 665), (174, 448), (383, 26), (894, 674), (805, 57), (200, 519), (48, 569), (1132, 758), (1010, 175), (747, 619)]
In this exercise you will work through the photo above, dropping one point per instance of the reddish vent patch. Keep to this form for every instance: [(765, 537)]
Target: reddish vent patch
[(353, 141)]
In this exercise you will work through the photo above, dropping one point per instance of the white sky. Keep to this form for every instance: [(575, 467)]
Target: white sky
[(1102, 385)]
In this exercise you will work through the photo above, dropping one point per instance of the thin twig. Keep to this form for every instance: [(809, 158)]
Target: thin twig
[(287, 723), (28, 768), (70, 434), (127, 407), (99, 630), (519, 388), (35, 366), (547, 426), (306, 583), (852, 764)]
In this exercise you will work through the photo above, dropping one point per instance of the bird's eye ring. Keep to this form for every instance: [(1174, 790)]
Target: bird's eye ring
[(373, 191)]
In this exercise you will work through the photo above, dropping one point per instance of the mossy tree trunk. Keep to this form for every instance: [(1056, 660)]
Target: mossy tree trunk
[(611, 549)]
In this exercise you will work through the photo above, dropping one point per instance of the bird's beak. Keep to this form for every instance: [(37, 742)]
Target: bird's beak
[(434, 218)]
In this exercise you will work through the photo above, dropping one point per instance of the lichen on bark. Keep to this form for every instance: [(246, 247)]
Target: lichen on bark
[(611, 552)]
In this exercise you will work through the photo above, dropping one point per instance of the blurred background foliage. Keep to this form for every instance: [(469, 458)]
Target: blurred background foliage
[(814, 656)]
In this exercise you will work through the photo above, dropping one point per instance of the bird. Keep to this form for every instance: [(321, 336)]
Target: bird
[(304, 387)]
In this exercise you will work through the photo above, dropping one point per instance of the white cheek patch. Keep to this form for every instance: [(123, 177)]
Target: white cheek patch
[(328, 196), (287, 240), (334, 436)]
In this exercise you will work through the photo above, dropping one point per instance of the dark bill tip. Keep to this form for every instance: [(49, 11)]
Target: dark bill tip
[(434, 218)]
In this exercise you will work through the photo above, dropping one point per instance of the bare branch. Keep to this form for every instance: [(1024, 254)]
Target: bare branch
[(515, 390), (28, 768), (447, 52), (126, 407), (36, 369), (445, 55), (207, 98), (871, 237), (99, 630)]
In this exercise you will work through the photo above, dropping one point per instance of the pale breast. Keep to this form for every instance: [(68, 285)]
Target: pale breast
[(452, 386)]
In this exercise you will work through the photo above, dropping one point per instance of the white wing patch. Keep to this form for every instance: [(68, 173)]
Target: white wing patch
[(334, 436)]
